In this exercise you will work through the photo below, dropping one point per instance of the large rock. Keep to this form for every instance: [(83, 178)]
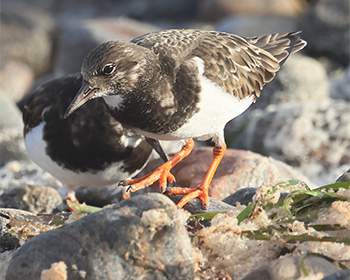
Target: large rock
[(326, 28), (314, 137), (238, 169), (79, 37), (33, 198), (11, 132), (251, 26), (17, 174), (16, 78), (300, 79), (26, 36), (147, 10), (142, 237), (215, 9), (340, 87)]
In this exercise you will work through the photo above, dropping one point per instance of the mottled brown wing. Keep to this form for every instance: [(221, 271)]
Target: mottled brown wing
[(173, 47), (241, 66), (281, 46), (231, 62)]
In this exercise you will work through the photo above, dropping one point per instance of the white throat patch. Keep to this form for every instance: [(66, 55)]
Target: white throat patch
[(114, 101)]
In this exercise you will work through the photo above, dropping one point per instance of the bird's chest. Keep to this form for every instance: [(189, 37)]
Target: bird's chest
[(187, 114)]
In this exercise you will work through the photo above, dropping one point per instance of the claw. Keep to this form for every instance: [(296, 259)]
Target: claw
[(202, 191), (161, 174), (162, 189), (122, 183)]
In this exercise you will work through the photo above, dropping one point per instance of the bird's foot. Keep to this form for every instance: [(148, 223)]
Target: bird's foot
[(201, 192), (161, 174)]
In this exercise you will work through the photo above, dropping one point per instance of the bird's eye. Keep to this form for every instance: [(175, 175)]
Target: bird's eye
[(108, 69)]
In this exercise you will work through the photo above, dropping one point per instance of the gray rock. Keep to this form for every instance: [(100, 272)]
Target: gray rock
[(10, 115), (19, 173), (79, 37), (143, 237), (339, 275), (314, 137), (340, 88), (35, 199), (212, 10), (238, 169), (251, 26), (99, 196), (301, 78), (195, 205), (8, 242), (16, 78), (148, 10), (290, 268), (326, 28), (4, 262), (26, 36), (345, 177), (243, 196), (11, 132)]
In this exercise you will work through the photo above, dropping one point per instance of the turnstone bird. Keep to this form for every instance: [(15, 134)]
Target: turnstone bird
[(89, 149), (182, 84)]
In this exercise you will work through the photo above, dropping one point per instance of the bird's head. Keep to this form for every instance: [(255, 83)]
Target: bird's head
[(113, 68)]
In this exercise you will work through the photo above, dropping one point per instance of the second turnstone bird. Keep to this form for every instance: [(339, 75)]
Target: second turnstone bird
[(89, 149), (182, 84)]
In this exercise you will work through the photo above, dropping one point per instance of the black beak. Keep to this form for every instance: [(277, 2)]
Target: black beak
[(155, 144), (85, 93)]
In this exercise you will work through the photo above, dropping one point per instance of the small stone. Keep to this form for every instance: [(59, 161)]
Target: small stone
[(290, 268), (345, 177), (243, 196), (36, 199)]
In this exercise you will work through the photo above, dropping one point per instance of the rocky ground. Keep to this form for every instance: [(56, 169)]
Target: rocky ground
[(299, 129)]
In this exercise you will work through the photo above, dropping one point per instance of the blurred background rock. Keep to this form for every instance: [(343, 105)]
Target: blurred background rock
[(302, 117)]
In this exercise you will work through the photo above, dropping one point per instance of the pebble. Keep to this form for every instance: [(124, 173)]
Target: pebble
[(290, 268)]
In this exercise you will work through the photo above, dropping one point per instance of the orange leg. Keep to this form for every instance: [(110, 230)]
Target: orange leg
[(161, 174), (202, 191)]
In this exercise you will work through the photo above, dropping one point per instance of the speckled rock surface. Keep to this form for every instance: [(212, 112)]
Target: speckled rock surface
[(313, 137), (141, 237), (289, 268), (238, 169)]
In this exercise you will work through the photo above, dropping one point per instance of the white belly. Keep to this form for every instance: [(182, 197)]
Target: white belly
[(35, 147), (216, 108)]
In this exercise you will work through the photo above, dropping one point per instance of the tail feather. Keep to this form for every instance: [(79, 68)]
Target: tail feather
[(281, 46)]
